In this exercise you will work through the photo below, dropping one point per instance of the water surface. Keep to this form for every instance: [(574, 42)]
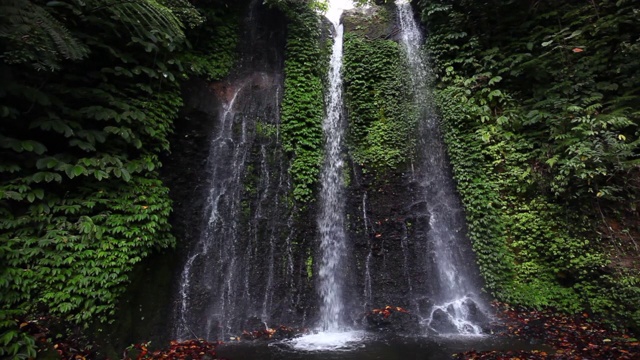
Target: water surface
[(375, 347)]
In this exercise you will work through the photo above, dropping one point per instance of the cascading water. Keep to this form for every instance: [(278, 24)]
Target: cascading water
[(229, 151), (456, 306), (368, 292), (331, 217), (239, 272)]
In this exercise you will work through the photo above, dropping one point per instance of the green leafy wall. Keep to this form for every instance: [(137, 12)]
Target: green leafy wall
[(539, 107), (303, 105), (89, 96), (381, 116)]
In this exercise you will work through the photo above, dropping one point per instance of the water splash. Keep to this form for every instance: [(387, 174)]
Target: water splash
[(329, 341), (454, 289), (457, 316)]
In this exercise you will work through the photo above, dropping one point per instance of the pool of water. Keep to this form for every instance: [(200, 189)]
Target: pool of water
[(368, 346)]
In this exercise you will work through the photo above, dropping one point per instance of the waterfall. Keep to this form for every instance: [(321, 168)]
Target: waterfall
[(227, 154), (456, 306), (238, 271), (232, 278), (368, 292), (331, 215)]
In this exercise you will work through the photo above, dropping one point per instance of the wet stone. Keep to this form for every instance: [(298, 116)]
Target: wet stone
[(442, 323), (392, 320)]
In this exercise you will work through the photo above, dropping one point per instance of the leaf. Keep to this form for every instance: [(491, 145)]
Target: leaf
[(125, 175), (82, 145), (68, 169), (78, 170), (39, 193), (32, 146), (100, 174), (47, 163), (495, 80), (574, 34)]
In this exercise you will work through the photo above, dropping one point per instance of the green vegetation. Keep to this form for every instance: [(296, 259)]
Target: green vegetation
[(540, 111), (381, 116), (213, 46), (302, 105), (88, 99), (539, 102)]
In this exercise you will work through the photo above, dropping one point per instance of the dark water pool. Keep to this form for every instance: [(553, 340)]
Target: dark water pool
[(375, 347)]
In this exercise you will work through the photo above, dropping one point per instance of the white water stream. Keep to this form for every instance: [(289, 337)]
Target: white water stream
[(334, 334), (230, 152), (331, 218), (457, 306)]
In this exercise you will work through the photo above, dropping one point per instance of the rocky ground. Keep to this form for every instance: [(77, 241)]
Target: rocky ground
[(567, 337)]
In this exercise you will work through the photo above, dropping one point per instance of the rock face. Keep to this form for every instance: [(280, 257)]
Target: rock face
[(392, 319), (245, 247), (382, 213), (262, 269), (408, 225), (372, 22), (254, 226), (384, 226), (387, 219)]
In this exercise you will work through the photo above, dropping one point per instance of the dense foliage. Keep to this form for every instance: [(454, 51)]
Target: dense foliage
[(302, 105), (381, 116), (540, 113), (539, 102), (212, 53), (88, 99)]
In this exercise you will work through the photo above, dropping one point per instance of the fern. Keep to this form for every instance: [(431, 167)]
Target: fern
[(38, 35), (34, 36), (143, 18), (185, 12)]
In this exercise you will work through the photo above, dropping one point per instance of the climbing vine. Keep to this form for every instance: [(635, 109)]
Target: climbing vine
[(381, 116), (538, 117), (85, 117), (302, 105), (213, 46)]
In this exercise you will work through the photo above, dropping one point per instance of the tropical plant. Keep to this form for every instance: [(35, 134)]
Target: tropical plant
[(88, 99), (539, 102)]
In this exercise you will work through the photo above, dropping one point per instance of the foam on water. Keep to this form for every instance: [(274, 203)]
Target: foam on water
[(329, 341)]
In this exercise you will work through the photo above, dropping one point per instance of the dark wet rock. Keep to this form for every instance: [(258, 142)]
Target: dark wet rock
[(394, 319), (475, 314), (279, 333), (373, 22), (442, 323)]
